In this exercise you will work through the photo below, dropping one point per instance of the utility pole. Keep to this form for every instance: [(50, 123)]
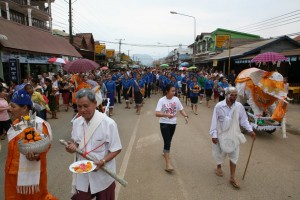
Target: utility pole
[(128, 53), (120, 44), (70, 22)]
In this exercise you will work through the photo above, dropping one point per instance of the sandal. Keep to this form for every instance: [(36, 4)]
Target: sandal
[(234, 183), (219, 172)]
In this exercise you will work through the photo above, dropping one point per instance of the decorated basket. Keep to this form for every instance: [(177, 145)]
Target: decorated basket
[(35, 147), (31, 140)]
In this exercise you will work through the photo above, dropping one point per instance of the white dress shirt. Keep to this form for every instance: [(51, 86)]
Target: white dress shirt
[(107, 133), (222, 110)]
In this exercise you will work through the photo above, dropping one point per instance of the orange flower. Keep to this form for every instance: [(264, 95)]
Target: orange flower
[(36, 134), (37, 138), (25, 141), (29, 136), (31, 140)]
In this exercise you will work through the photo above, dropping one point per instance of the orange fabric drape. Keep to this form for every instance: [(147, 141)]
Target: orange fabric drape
[(11, 174), (260, 98), (78, 85)]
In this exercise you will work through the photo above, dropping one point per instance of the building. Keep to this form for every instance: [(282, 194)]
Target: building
[(179, 55), (36, 13), (240, 57), (209, 44), (27, 41)]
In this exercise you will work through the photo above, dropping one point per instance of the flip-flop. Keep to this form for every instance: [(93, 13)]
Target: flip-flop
[(234, 184), (219, 173)]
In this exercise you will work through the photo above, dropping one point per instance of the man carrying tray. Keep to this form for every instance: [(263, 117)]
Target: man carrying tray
[(97, 135)]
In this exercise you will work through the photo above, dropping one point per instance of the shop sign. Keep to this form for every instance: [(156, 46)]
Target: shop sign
[(100, 48), (14, 70), (221, 39)]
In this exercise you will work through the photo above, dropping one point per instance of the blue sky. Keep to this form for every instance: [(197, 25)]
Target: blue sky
[(150, 21)]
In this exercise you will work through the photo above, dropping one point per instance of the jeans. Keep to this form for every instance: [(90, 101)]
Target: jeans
[(167, 132)]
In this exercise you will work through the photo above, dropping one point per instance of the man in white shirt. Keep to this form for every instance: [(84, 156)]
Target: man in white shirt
[(97, 135), (226, 136)]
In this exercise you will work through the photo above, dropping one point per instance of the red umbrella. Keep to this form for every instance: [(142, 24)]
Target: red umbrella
[(81, 65), (269, 57), (104, 68), (57, 61)]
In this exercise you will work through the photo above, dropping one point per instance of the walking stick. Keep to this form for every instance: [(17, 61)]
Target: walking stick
[(248, 159), (106, 170)]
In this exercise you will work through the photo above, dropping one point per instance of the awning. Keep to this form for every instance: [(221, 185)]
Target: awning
[(32, 39)]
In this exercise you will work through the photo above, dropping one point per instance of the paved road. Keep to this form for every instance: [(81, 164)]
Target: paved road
[(274, 170)]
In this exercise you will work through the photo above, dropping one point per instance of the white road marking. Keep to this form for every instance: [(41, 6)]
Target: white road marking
[(126, 158), (147, 141)]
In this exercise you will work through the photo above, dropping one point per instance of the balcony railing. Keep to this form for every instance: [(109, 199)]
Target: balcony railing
[(33, 4)]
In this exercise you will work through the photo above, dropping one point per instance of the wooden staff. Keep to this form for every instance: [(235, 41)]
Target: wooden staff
[(106, 170), (248, 159)]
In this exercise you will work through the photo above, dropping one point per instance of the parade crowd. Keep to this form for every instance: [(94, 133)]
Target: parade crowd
[(89, 94)]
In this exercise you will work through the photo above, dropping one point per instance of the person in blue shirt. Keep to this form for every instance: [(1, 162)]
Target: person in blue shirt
[(131, 88), (189, 81), (147, 80), (137, 92), (194, 94), (183, 85), (126, 87), (175, 84), (167, 81), (161, 81), (111, 93), (221, 88), (208, 87)]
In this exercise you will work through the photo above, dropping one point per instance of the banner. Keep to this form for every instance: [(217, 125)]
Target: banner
[(14, 70), (215, 63), (221, 39), (100, 48), (110, 53)]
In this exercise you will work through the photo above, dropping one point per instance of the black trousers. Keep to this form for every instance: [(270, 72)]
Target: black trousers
[(147, 90), (119, 94), (167, 132)]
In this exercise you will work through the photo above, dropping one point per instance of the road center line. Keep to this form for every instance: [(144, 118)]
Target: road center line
[(126, 158)]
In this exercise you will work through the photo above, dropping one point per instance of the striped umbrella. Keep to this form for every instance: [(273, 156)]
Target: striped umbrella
[(57, 61), (269, 57)]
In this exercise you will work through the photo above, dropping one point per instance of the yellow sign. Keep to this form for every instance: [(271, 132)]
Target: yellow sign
[(215, 63), (110, 53), (100, 48), (221, 39)]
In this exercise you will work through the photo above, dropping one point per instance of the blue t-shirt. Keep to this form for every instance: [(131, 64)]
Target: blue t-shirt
[(167, 81), (141, 84), (110, 86), (192, 85), (126, 83), (209, 84)]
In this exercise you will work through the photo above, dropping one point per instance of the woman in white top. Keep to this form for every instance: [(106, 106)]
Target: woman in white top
[(167, 108)]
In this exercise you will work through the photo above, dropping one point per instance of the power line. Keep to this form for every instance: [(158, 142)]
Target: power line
[(273, 23), (268, 19), (277, 26), (140, 45)]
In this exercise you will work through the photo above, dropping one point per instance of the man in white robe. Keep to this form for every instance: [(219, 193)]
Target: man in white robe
[(228, 115), (97, 135)]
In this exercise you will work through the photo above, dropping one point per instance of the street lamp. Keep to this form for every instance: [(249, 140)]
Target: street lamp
[(176, 13)]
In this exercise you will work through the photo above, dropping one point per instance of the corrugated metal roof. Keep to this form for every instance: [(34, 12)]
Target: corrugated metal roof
[(32, 39), (241, 50)]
